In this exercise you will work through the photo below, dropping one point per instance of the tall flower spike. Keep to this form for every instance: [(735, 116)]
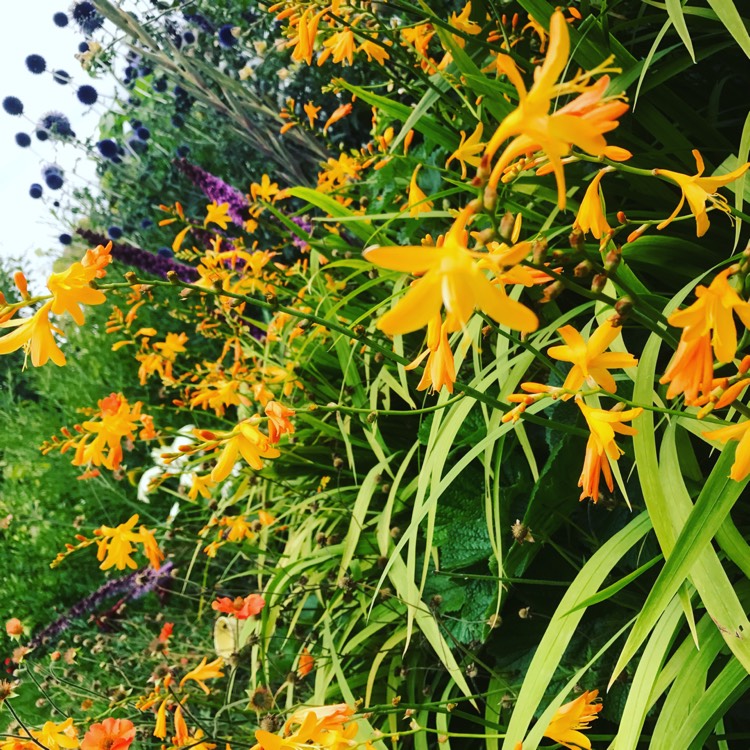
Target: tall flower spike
[(590, 362), (582, 122), (698, 190), (452, 278)]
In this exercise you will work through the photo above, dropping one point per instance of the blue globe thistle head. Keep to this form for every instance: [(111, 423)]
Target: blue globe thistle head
[(54, 180), (56, 204), (182, 151), (36, 64), (114, 232), (116, 160), (13, 105), (87, 94), (137, 145), (143, 133), (146, 223), (145, 70), (188, 37), (56, 123), (41, 134), (83, 47), (107, 148), (227, 36), (36, 190), (177, 121), (23, 140), (60, 19), (61, 76), (65, 239), (135, 124), (87, 17), (130, 72), (134, 101), (165, 252), (159, 84)]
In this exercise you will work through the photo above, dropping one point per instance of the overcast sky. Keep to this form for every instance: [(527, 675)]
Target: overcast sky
[(27, 28)]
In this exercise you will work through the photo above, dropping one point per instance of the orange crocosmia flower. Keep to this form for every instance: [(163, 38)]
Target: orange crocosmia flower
[(452, 278), (601, 447), (172, 345), (578, 714), (740, 432), (34, 335), (417, 202), (338, 114), (304, 41), (111, 734), (98, 259), (582, 122), (166, 632), (691, 369), (374, 50), (590, 217), (713, 312), (312, 112), (306, 663), (698, 190), (204, 671), (591, 364), (246, 441), (181, 732), (440, 369), (278, 420), (160, 728), (241, 608), (150, 547), (468, 150)]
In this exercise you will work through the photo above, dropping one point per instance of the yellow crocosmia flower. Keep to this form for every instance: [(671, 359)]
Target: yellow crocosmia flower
[(70, 289), (590, 216), (246, 441), (573, 716), (440, 369), (201, 485), (468, 150), (325, 717), (172, 345), (417, 202), (452, 277), (741, 432), (601, 447), (304, 41), (375, 50), (713, 312), (204, 671), (160, 729), (264, 190), (56, 736), (115, 546), (462, 22), (339, 46), (591, 363), (181, 732), (691, 370), (698, 190), (338, 114), (582, 122), (217, 213), (34, 334)]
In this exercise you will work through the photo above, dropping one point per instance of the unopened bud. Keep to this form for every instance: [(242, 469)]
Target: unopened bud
[(490, 198), (575, 240), (506, 226), (599, 282), (612, 260), (552, 291), (539, 251), (623, 306), (584, 269), (172, 277), (621, 217), (131, 278), (20, 281)]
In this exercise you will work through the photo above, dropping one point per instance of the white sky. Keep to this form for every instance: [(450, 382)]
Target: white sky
[(26, 224)]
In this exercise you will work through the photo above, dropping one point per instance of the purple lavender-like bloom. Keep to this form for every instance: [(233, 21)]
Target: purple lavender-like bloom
[(130, 255), (307, 227), (130, 587), (216, 190)]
